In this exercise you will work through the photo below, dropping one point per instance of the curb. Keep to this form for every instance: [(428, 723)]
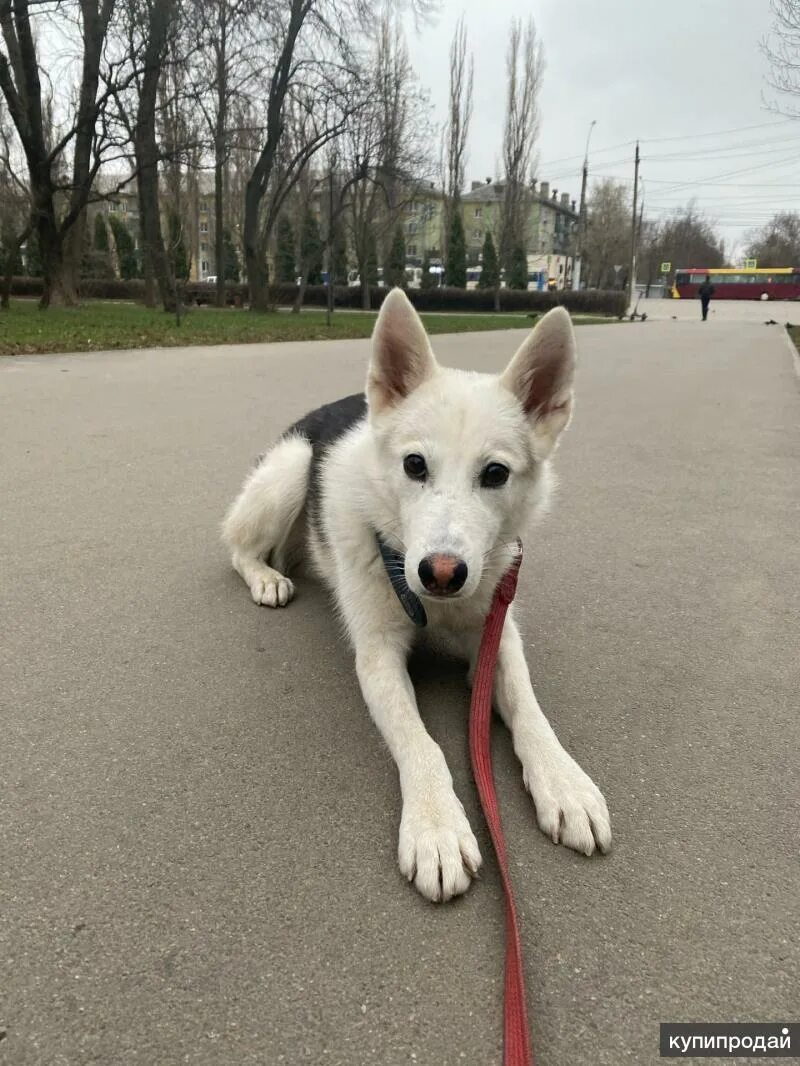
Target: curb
[(794, 353)]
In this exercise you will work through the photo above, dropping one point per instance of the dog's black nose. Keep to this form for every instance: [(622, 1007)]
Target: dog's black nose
[(442, 574)]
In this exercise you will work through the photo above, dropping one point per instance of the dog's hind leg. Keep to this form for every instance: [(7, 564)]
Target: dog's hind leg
[(258, 527)]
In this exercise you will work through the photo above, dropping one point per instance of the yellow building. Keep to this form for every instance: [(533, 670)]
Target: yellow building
[(549, 233), (424, 224), (197, 217)]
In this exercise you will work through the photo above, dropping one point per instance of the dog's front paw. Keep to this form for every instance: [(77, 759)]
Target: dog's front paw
[(437, 849), (271, 589), (570, 807)]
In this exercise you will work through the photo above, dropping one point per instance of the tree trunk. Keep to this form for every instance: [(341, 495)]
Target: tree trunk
[(57, 290), (148, 274), (366, 301), (74, 242), (57, 287), (330, 297), (254, 251), (153, 254), (146, 150)]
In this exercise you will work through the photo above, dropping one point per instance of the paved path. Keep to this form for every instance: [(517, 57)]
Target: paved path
[(721, 312), (198, 819)]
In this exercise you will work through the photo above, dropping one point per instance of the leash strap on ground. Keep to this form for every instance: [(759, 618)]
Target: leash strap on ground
[(516, 1038)]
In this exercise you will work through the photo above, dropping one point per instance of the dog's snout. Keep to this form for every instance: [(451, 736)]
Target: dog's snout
[(442, 573)]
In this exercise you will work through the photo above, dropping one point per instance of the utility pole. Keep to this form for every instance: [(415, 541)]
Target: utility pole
[(639, 231), (581, 238), (632, 278)]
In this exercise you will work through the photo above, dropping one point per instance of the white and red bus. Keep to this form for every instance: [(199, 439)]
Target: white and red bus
[(732, 283)]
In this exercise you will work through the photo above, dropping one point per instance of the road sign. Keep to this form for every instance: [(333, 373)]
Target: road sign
[(666, 267), (751, 264)]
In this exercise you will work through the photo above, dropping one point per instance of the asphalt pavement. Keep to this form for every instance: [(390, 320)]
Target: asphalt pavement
[(198, 820)]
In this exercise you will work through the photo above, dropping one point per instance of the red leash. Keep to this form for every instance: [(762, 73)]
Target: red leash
[(516, 1040)]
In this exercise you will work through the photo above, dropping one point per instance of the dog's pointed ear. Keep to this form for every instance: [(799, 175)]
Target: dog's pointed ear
[(541, 374), (401, 353)]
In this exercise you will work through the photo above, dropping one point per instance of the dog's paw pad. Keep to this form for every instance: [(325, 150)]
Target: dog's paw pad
[(570, 808), (272, 591), (437, 849)]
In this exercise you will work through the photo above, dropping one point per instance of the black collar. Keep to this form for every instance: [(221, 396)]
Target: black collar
[(393, 562)]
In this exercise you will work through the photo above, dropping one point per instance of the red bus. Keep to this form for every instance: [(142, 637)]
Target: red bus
[(731, 283)]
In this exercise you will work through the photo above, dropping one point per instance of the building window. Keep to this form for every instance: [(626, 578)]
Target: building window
[(477, 234), (204, 246), (204, 266), (204, 227), (412, 249), (478, 212)]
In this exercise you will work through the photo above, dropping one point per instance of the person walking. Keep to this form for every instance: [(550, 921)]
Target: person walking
[(705, 292)]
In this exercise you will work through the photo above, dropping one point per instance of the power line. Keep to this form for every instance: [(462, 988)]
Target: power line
[(595, 152), (729, 174), (762, 148), (665, 140), (717, 133)]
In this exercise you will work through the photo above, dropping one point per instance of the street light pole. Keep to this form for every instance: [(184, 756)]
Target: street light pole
[(576, 269), (632, 271)]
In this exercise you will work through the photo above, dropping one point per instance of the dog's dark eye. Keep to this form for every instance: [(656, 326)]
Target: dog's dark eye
[(414, 466), (494, 475)]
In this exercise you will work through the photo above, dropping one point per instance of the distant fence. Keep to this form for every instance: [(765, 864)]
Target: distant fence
[(587, 301)]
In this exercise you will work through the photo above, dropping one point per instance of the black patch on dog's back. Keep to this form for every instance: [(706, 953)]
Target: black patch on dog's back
[(328, 423), (322, 428)]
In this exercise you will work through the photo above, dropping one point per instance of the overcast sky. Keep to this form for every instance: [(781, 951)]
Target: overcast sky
[(643, 70)]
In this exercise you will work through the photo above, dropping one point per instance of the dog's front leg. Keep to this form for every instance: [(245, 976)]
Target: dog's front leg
[(437, 850), (569, 806)]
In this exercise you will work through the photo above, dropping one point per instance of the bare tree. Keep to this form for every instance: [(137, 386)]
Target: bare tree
[(226, 71), (777, 242), (456, 130), (782, 49), (687, 238), (524, 70), (608, 233), (385, 149), (316, 65), (15, 205), (312, 50), (147, 27), (61, 166)]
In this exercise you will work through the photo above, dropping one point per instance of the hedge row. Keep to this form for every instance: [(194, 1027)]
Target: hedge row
[(89, 288), (590, 301)]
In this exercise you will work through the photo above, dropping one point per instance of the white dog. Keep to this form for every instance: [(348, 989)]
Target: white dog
[(409, 502)]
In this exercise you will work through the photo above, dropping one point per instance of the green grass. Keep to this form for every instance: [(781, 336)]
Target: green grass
[(101, 325)]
